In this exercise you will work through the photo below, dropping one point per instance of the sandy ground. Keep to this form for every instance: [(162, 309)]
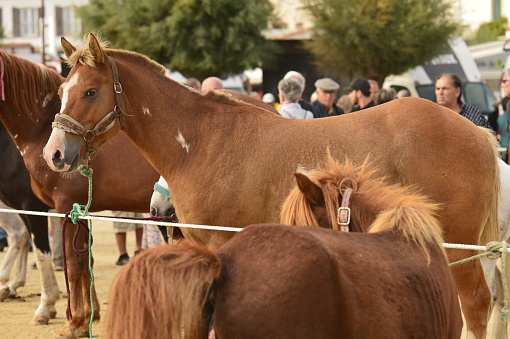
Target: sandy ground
[(17, 313)]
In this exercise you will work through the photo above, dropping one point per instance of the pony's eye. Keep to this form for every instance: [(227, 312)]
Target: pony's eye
[(90, 93)]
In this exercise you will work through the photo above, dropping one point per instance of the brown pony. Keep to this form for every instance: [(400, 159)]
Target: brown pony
[(216, 159), (272, 281)]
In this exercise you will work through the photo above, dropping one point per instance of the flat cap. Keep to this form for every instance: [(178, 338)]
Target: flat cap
[(327, 84)]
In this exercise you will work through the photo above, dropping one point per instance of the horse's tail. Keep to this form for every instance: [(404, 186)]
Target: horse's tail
[(491, 231), (166, 290), (415, 218)]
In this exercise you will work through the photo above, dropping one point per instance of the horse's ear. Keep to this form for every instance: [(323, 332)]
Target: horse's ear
[(67, 47), (96, 49), (312, 193)]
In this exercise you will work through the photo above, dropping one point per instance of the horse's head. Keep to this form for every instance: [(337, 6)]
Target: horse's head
[(91, 104), (161, 201)]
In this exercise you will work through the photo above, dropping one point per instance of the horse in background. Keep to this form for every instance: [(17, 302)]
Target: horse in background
[(16, 192), (215, 152), (274, 281)]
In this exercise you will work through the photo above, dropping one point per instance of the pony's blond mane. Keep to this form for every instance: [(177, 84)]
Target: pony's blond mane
[(34, 89), (397, 208)]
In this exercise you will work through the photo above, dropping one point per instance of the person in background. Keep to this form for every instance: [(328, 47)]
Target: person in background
[(385, 95), (359, 93), (449, 95), (121, 229), (325, 106), (503, 126), (345, 103), (289, 92), (211, 83), (302, 81), (3, 239), (403, 93), (505, 86), (269, 98), (374, 91), (193, 83)]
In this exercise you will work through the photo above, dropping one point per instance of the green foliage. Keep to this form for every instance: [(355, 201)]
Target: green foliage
[(375, 38), (489, 31), (196, 37)]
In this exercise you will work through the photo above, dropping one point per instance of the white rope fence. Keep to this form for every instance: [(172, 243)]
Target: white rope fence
[(205, 227)]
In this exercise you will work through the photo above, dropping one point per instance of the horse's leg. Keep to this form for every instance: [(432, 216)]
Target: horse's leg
[(18, 248), (49, 286), (83, 330), (496, 327), (76, 270), (473, 293)]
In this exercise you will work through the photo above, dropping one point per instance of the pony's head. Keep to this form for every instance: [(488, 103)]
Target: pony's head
[(161, 201), (374, 204), (92, 110)]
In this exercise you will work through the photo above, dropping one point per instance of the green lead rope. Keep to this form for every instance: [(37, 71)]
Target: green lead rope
[(81, 211), (492, 251)]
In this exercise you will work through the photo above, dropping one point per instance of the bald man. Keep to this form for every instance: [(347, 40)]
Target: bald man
[(211, 83)]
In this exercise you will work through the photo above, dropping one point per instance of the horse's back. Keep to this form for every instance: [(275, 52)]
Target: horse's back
[(308, 283)]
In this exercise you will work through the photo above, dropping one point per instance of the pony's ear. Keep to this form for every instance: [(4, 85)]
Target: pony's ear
[(67, 47), (312, 193), (96, 49)]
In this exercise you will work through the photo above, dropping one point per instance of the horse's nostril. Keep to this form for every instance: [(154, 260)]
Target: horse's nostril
[(57, 159), (154, 212)]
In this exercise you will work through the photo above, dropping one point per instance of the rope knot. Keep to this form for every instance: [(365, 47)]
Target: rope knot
[(85, 171), (492, 249), (77, 212)]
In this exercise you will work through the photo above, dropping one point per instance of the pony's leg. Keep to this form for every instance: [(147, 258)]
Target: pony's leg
[(21, 263), (76, 270), (473, 293)]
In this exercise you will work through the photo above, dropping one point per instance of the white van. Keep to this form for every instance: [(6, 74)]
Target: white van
[(419, 81)]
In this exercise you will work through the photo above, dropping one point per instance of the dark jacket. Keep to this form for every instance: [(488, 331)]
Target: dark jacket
[(321, 111)]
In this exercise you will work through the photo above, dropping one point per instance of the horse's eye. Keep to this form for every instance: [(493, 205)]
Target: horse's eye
[(90, 93)]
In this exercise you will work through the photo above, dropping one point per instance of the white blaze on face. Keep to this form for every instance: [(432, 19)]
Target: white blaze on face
[(66, 87), (181, 141)]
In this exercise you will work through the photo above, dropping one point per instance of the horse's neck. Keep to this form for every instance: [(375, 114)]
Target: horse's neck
[(171, 129)]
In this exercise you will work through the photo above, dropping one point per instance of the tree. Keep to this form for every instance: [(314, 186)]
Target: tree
[(198, 38), (489, 31), (375, 38)]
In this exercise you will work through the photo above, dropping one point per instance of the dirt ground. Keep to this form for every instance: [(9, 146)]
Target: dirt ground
[(17, 313)]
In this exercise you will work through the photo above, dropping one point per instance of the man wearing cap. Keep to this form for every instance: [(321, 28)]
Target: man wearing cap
[(326, 95), (359, 93)]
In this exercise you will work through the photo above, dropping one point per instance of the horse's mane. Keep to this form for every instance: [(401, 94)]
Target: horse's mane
[(35, 88), (83, 56), (398, 208)]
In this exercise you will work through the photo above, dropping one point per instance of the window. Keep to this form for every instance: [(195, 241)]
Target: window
[(67, 22), (26, 22)]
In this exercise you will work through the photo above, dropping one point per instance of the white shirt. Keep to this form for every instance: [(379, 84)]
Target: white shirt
[(293, 110)]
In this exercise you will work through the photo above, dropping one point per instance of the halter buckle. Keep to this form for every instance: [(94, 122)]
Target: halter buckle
[(343, 213), (117, 87)]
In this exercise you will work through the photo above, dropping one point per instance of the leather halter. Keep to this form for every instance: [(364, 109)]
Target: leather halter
[(344, 212), (70, 125)]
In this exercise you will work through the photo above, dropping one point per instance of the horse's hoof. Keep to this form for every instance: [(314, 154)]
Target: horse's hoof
[(53, 313), (80, 333), (4, 293), (40, 320)]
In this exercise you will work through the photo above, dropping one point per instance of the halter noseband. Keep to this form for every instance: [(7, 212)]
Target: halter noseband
[(70, 125)]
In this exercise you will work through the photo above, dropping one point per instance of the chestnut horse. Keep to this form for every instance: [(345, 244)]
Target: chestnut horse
[(215, 159), (272, 281), (122, 181)]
